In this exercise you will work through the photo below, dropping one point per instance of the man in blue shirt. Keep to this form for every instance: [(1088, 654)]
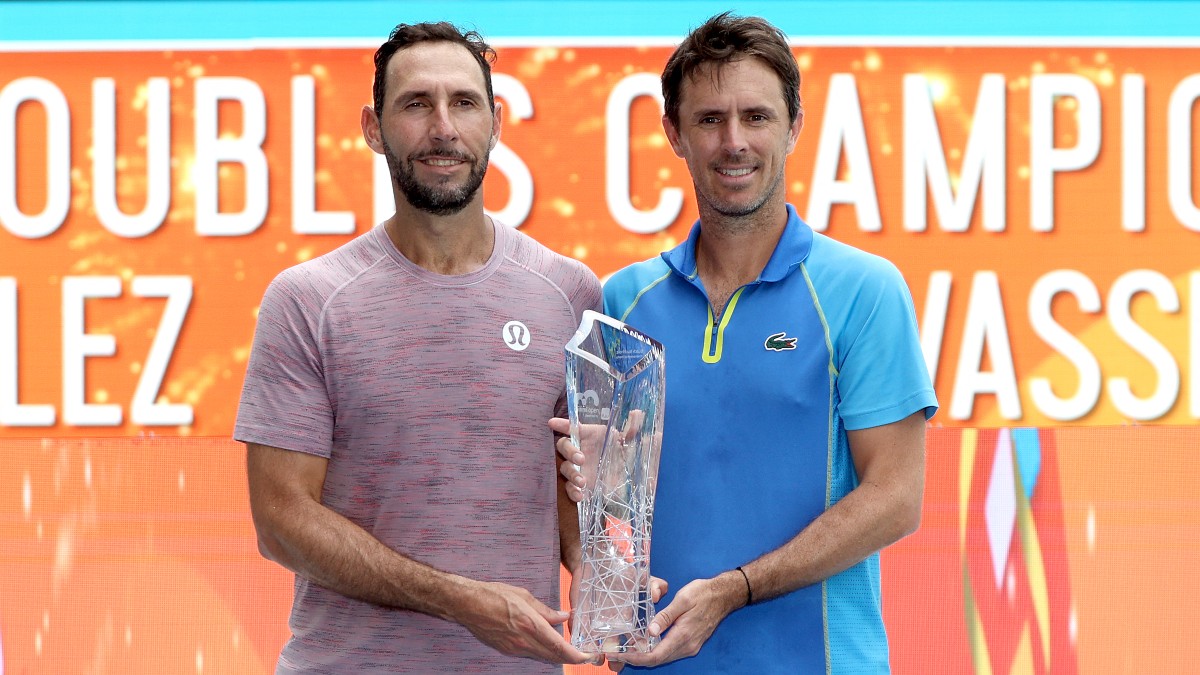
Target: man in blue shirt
[(797, 394)]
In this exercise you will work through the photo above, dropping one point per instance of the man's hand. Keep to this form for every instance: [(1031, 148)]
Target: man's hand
[(658, 588), (576, 461), (580, 463), (513, 622), (692, 617)]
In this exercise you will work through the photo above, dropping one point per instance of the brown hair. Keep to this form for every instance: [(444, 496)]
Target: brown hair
[(725, 38), (406, 35)]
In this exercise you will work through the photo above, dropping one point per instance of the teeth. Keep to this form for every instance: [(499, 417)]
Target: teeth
[(735, 172), (442, 162)]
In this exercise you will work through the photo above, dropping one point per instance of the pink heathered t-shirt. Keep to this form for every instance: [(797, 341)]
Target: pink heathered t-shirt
[(429, 395)]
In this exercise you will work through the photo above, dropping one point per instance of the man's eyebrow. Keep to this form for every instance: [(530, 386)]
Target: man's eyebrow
[(468, 93), (411, 94), (426, 93), (719, 112), (759, 110)]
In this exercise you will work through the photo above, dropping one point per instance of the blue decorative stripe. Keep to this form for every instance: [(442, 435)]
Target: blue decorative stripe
[(109, 20)]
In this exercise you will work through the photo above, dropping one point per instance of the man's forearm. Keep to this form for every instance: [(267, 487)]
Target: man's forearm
[(330, 550), (853, 529), (886, 506), (568, 530)]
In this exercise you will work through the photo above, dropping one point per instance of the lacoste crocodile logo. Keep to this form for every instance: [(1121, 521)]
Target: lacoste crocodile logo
[(779, 343)]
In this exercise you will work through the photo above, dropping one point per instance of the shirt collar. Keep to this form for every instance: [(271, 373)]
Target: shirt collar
[(792, 249)]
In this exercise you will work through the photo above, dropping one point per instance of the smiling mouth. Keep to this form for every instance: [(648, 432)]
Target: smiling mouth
[(441, 157), (735, 172)]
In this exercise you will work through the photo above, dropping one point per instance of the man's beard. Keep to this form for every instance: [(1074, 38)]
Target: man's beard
[(439, 200), (735, 211)]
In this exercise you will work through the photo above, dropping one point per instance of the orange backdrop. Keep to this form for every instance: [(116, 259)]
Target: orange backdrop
[(128, 548), (562, 144), (137, 556)]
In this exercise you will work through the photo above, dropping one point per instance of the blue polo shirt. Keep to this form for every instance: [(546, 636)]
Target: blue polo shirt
[(754, 445)]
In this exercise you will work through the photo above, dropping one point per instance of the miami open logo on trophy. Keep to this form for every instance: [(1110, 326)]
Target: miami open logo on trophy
[(616, 393)]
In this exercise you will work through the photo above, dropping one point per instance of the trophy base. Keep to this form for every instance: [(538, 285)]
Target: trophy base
[(616, 592), (622, 643), (611, 627)]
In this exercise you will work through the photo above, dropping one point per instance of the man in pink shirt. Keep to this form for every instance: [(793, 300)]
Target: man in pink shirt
[(396, 399)]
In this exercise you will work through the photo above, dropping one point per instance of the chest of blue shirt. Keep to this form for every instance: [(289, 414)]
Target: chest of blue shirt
[(749, 433)]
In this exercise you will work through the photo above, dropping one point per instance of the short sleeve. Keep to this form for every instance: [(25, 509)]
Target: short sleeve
[(284, 400), (882, 376)]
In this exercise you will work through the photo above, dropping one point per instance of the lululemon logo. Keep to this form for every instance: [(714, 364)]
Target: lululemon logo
[(516, 336)]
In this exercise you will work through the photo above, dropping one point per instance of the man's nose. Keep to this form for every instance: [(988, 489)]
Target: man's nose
[(443, 128), (733, 137)]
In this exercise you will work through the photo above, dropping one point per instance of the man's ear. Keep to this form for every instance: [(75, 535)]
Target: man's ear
[(497, 114), (672, 135), (794, 132), (370, 128)]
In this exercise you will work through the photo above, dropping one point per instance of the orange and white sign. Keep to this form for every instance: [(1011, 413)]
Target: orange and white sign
[(1040, 201)]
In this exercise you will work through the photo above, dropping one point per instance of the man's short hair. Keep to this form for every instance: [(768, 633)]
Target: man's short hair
[(725, 38), (406, 35)]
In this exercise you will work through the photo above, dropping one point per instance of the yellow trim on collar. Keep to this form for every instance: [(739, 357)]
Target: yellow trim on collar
[(709, 355)]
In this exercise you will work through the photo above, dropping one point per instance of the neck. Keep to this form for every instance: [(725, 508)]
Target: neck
[(738, 247), (732, 251), (449, 245)]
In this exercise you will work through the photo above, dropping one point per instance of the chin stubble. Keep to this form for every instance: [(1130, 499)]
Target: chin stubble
[(435, 199)]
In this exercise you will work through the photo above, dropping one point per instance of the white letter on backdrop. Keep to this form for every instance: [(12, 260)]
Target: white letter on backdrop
[(212, 150), (58, 157), (925, 160), (158, 158), (1180, 145), (518, 106), (842, 130), (616, 160), (306, 219), (1041, 318), (1044, 159)]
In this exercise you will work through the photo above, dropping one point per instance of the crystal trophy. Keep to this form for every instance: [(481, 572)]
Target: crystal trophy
[(616, 379)]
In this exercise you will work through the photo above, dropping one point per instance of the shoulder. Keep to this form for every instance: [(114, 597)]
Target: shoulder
[(833, 263), (561, 271), (831, 251), (854, 289), (313, 282), (627, 285)]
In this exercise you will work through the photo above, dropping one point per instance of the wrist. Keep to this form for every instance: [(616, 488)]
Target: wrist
[(732, 590), (572, 558), (459, 601), (749, 587)]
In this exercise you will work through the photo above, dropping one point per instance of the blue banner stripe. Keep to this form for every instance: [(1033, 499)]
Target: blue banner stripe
[(370, 20)]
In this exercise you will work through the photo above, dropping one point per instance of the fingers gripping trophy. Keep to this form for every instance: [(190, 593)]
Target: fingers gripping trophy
[(616, 381)]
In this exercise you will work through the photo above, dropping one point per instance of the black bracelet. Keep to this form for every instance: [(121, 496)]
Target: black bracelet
[(749, 594)]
